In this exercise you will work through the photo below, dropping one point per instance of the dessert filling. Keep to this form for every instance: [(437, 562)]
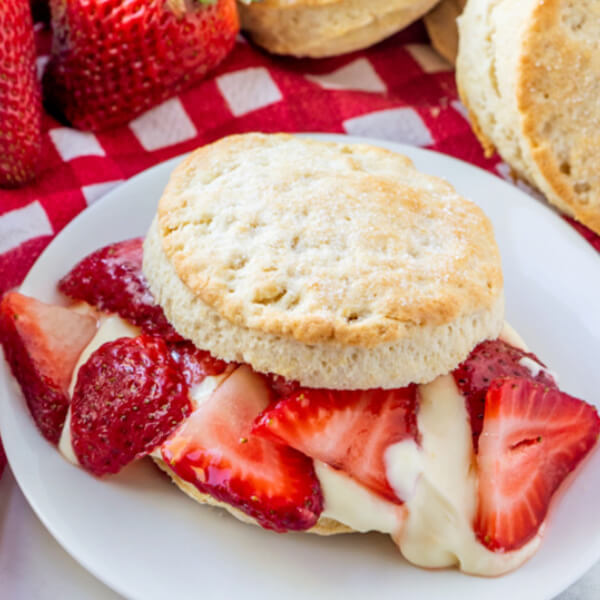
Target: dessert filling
[(432, 473), (459, 471)]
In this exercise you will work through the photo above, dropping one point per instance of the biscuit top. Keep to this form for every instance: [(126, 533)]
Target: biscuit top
[(324, 242)]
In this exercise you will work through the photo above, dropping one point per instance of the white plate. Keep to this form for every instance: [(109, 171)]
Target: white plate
[(144, 538)]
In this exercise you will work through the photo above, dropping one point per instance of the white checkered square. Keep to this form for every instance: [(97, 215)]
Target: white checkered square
[(429, 60), (506, 172), (71, 143), (95, 191), (460, 108), (396, 124), (164, 125), (358, 75), (23, 224), (248, 90)]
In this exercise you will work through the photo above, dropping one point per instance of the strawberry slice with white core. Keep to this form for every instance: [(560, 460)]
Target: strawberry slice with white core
[(533, 437), (348, 430), (215, 450), (488, 361), (42, 344)]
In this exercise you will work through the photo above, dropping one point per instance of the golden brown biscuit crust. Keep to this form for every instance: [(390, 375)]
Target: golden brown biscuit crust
[(324, 242), (559, 97), (425, 353), (442, 29), (319, 28), (529, 73)]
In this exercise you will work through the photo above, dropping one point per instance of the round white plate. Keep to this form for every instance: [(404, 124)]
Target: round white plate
[(144, 538)]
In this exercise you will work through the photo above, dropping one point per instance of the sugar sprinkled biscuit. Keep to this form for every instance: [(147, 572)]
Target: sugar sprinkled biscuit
[(337, 265)]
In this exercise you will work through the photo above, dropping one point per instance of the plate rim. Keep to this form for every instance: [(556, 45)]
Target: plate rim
[(590, 553)]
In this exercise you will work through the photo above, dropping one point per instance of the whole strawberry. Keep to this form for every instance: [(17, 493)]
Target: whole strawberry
[(113, 59), (20, 104), (129, 397)]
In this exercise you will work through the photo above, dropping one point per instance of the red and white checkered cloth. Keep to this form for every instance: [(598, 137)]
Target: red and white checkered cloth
[(399, 90)]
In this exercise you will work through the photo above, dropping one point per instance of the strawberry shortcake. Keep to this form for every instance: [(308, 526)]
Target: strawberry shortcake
[(312, 337)]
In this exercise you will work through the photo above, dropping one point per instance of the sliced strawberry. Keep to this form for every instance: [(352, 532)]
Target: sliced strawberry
[(111, 279), (281, 386), (533, 437), (347, 430), (215, 450), (196, 364), (129, 397), (488, 361), (42, 344)]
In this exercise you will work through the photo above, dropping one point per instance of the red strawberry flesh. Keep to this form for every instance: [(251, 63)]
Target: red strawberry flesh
[(42, 344), (20, 104), (533, 437), (215, 450), (196, 364), (129, 397), (347, 430), (111, 279), (281, 386), (111, 60), (488, 361)]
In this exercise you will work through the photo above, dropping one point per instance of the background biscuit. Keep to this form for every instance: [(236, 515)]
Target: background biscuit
[(443, 29), (318, 28), (529, 74)]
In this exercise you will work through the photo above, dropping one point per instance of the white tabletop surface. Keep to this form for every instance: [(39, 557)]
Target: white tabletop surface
[(34, 567)]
